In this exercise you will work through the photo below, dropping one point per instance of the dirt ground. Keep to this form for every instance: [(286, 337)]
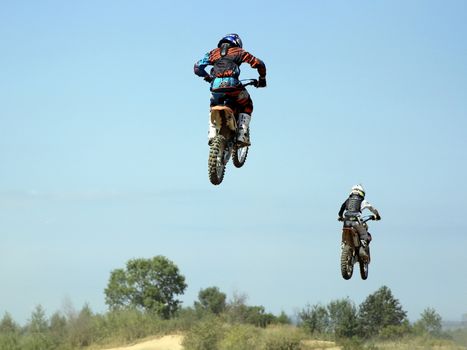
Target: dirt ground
[(320, 345), (169, 342), (173, 342)]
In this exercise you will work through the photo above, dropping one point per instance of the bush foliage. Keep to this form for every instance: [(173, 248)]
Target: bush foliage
[(138, 308), (147, 284)]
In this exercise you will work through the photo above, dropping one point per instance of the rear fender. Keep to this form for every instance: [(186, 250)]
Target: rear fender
[(220, 113), (350, 237)]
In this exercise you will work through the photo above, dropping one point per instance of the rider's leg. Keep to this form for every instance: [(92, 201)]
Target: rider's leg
[(362, 232), (244, 117), (243, 135), (212, 131), (215, 100), (364, 238)]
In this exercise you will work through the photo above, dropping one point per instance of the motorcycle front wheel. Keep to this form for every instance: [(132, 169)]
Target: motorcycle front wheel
[(216, 165), (239, 155), (346, 262)]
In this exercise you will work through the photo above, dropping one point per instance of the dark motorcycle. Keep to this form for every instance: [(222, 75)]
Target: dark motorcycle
[(350, 250), (224, 145)]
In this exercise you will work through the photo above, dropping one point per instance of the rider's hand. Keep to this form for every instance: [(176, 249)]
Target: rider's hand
[(261, 82), (208, 78), (340, 218), (377, 217)]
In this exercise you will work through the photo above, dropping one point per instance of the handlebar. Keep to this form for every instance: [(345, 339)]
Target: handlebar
[(253, 82), (368, 218), (363, 219)]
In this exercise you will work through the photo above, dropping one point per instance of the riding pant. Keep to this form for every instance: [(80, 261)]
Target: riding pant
[(362, 232), (239, 99)]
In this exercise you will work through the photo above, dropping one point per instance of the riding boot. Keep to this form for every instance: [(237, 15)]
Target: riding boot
[(212, 131), (243, 135)]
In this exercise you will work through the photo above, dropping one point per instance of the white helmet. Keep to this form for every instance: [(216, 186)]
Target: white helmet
[(358, 189)]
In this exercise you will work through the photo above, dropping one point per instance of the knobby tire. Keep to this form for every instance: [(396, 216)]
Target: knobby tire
[(346, 263), (236, 160), (364, 266), (216, 161)]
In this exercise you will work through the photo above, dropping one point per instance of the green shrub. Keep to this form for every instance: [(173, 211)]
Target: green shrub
[(459, 336), (353, 343), (282, 338), (9, 341), (185, 319), (240, 337), (395, 332), (127, 325), (205, 335), (36, 341)]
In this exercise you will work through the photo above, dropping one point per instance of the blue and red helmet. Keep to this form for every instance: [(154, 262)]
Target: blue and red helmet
[(232, 39)]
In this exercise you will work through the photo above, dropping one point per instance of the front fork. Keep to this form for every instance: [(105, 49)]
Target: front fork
[(228, 151)]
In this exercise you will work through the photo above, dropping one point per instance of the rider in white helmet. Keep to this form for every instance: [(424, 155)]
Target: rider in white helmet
[(351, 212)]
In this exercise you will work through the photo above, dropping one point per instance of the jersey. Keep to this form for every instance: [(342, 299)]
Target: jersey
[(226, 67), (350, 210)]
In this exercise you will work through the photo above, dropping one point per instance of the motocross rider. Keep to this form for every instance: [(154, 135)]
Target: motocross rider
[(225, 84), (351, 211)]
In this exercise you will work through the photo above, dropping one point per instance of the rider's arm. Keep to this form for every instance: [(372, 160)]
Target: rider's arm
[(255, 63), (200, 66), (367, 205), (341, 211)]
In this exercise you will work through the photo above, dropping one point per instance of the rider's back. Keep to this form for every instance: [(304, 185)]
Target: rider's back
[(226, 63)]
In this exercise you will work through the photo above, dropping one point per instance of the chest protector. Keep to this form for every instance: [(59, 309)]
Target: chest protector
[(226, 66), (354, 204)]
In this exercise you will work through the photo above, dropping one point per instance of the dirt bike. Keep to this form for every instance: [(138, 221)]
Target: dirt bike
[(224, 145), (350, 250)]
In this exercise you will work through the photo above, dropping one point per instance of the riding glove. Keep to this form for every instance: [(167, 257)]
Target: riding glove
[(261, 82)]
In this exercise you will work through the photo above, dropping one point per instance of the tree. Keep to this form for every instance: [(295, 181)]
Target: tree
[(342, 318), (81, 329), (379, 310), (212, 300), (58, 330), (37, 331), (38, 322), (237, 311), (9, 333), (430, 322), (315, 319), (236, 308), (8, 325), (283, 318), (258, 316), (147, 284)]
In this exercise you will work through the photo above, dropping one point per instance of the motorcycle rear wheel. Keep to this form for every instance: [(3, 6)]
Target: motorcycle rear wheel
[(363, 270), (346, 263), (364, 265), (216, 165), (239, 155)]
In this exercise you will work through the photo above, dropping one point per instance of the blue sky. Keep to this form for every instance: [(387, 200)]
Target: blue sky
[(103, 150)]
